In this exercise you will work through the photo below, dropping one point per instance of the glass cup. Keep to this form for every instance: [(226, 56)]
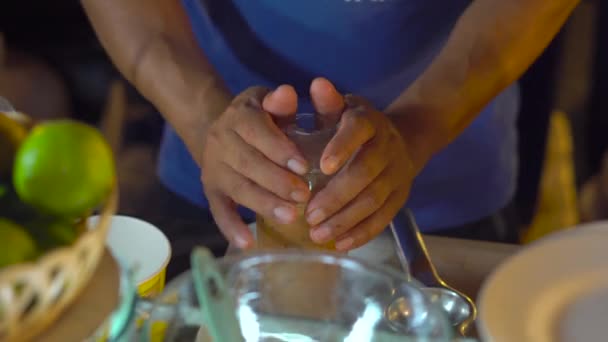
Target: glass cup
[(311, 134), (279, 309)]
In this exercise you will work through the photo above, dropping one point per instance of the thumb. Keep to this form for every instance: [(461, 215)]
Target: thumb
[(281, 102), (326, 99)]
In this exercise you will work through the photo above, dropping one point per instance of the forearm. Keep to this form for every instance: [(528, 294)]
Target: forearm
[(490, 47), (153, 46)]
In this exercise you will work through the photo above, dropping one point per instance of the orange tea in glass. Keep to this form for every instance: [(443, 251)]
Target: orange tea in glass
[(310, 134)]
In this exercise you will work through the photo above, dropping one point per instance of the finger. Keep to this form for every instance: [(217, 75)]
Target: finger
[(355, 129), (326, 99), (245, 192), (366, 166), (363, 206), (372, 226), (252, 164), (283, 101), (228, 220), (257, 129)]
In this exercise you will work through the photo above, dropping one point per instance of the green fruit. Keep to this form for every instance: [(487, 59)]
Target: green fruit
[(64, 168), (16, 245)]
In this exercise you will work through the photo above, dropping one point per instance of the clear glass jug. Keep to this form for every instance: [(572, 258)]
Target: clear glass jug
[(355, 308)]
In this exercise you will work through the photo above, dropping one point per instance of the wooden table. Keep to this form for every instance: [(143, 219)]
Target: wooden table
[(92, 307), (465, 264)]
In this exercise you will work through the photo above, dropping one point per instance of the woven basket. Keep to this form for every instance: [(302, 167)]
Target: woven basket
[(33, 295)]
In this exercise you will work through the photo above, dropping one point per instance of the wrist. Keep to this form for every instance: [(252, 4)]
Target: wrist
[(203, 113), (422, 134), (192, 112), (420, 146)]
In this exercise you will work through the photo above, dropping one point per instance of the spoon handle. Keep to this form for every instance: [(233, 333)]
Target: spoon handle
[(411, 249)]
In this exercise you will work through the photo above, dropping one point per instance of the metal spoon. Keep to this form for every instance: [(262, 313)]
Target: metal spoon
[(414, 256)]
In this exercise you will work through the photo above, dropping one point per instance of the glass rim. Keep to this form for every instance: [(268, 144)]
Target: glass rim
[(267, 256), (294, 128)]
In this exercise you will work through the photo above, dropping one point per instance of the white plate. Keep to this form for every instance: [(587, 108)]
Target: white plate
[(554, 290)]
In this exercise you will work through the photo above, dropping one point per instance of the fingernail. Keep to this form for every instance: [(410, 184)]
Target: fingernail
[(315, 217), (320, 234), (297, 165), (331, 163), (344, 244), (284, 214), (299, 196), (241, 242)]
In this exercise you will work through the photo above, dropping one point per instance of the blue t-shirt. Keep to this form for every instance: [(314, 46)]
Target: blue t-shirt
[(373, 48)]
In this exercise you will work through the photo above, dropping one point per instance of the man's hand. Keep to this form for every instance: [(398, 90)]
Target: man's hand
[(247, 160), (373, 182)]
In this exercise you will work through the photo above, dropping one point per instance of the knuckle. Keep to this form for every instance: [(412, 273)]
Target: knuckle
[(212, 139), (353, 101), (359, 119), (251, 97), (373, 200), (252, 103), (367, 127), (246, 130), (243, 162), (277, 182), (257, 91), (366, 170), (238, 187), (341, 228), (234, 108), (338, 200), (328, 200), (351, 116)]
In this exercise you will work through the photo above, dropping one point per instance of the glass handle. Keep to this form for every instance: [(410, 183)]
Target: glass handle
[(215, 300), (124, 315)]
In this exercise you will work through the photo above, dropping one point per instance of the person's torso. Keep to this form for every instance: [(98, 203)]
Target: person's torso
[(371, 48)]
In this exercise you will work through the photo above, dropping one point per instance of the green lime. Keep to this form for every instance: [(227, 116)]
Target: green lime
[(12, 133), (64, 168), (15, 243)]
